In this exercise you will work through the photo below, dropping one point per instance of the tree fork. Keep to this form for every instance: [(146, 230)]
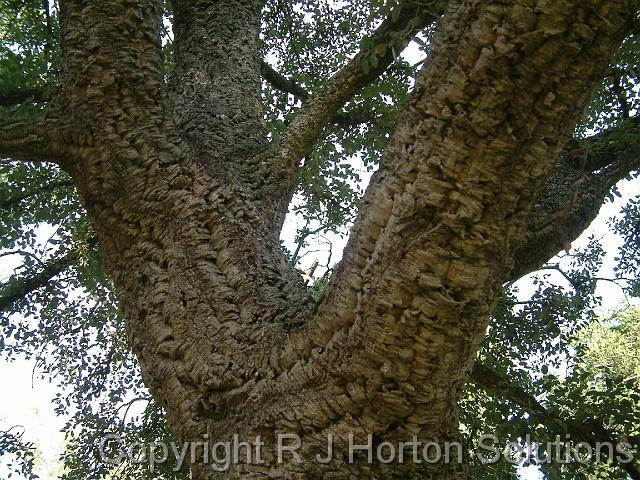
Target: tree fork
[(227, 338), (422, 271)]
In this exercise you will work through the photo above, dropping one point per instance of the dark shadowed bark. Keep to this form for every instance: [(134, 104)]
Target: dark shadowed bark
[(582, 178), (187, 197)]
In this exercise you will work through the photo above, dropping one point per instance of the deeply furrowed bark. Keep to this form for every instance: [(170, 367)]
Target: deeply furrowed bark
[(202, 290), (442, 219), (215, 98), (227, 338)]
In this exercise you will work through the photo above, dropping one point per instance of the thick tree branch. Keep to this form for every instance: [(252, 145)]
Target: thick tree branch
[(28, 139), (441, 221), (590, 432), (499, 386), (17, 288), (215, 85), (584, 175), (113, 70), (323, 106), (9, 98)]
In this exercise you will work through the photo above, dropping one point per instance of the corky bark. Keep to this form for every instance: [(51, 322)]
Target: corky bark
[(187, 203), (408, 306), (29, 139), (216, 79)]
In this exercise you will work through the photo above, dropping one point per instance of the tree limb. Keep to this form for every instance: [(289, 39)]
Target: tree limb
[(409, 304), (585, 173), (17, 288), (303, 235), (282, 83), (215, 84), (621, 96), (100, 43), (9, 98), (590, 431), (15, 200), (497, 385), (323, 106)]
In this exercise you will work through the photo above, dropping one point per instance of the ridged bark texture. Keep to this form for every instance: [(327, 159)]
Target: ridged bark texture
[(227, 338)]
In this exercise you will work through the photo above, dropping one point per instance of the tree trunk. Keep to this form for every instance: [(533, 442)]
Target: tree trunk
[(186, 201)]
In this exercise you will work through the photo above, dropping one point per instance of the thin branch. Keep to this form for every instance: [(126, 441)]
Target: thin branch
[(585, 431), (16, 289), (23, 253), (282, 83), (614, 280), (48, 49), (565, 275), (304, 234), (616, 74), (323, 106), (355, 118), (127, 406), (420, 42), (329, 255), (620, 94), (15, 200)]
